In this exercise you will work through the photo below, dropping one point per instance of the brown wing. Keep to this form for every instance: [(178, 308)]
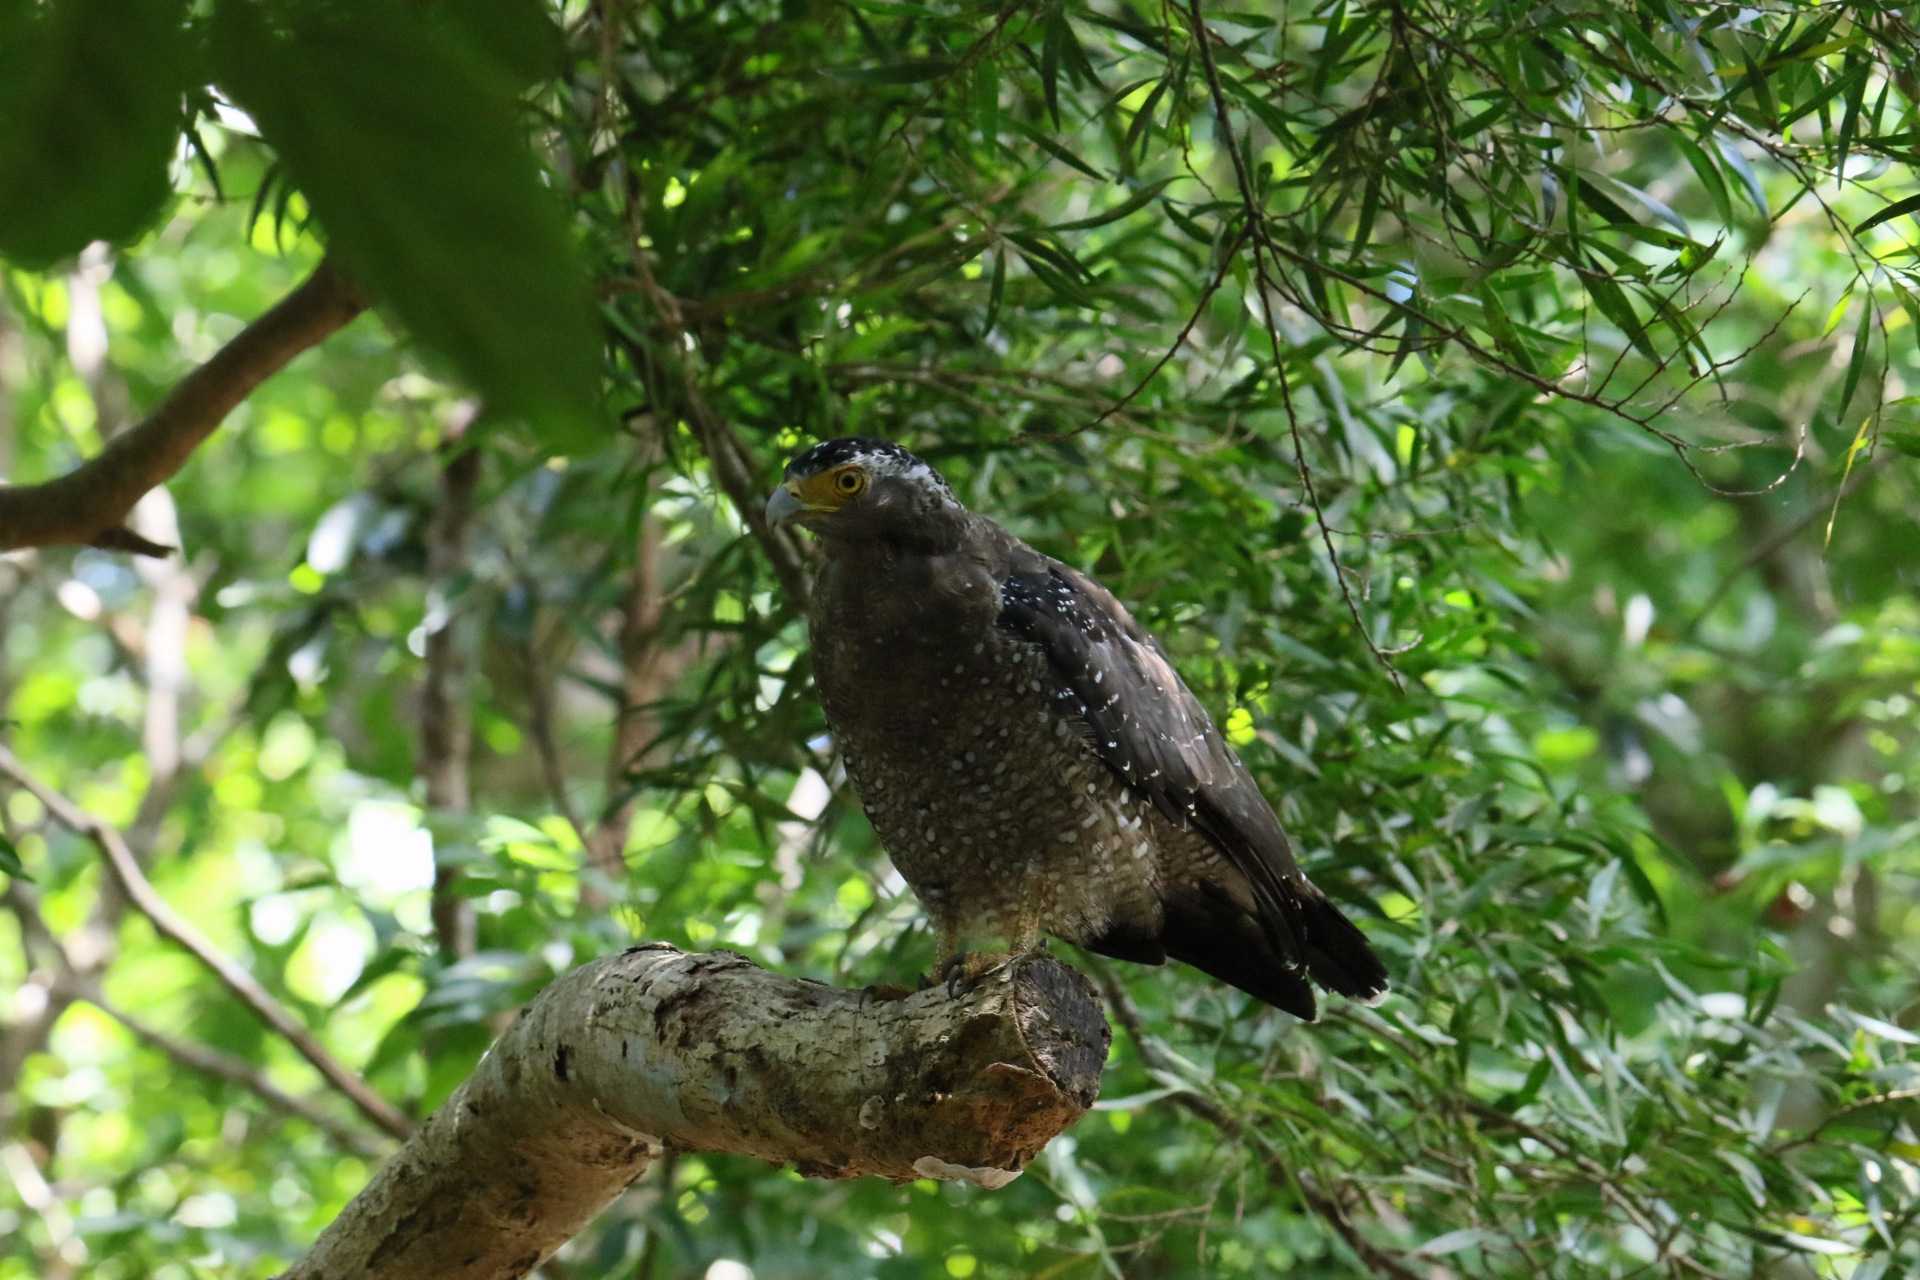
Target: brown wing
[(1147, 726)]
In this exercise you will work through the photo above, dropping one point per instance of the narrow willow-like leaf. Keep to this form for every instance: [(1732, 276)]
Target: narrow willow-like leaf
[(1909, 205)]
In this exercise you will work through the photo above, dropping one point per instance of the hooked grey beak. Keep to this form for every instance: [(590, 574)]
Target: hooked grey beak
[(783, 505)]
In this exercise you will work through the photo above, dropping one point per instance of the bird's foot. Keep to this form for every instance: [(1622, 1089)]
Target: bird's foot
[(965, 968)]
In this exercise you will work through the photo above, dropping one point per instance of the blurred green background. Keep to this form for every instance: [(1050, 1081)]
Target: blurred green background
[(1602, 722)]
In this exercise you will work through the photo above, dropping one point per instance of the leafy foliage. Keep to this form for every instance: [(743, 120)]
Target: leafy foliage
[(1403, 364), (90, 165)]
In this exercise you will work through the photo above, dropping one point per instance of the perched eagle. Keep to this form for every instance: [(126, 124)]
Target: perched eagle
[(1029, 758)]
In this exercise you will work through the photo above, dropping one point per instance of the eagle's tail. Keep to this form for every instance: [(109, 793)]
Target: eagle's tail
[(1273, 959), (1268, 959), (1336, 953)]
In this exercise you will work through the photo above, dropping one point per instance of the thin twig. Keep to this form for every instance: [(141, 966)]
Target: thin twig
[(237, 1071), (546, 748), (146, 899), (1179, 341), (725, 454), (1769, 546), (1854, 1108), (1231, 1126), (1262, 245), (646, 671)]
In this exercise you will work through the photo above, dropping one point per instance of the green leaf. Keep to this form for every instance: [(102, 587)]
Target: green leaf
[(1849, 122), (1839, 311), (1454, 1241), (1051, 47), (1138, 200), (1500, 325), (10, 861), (520, 39), (1862, 340), (407, 140), (1910, 205), (1744, 171), (1611, 300), (91, 108), (1143, 118), (1057, 151), (1705, 170), (1658, 208), (914, 71), (1886, 1030), (1852, 82), (1609, 209), (998, 291), (1756, 80)]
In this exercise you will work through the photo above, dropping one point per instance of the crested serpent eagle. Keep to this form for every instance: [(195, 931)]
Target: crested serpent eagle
[(1027, 755)]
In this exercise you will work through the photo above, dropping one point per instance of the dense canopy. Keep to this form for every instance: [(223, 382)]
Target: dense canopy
[(1505, 412)]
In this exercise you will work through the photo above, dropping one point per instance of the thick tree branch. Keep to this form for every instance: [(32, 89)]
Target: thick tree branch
[(86, 505), (126, 873), (655, 1050)]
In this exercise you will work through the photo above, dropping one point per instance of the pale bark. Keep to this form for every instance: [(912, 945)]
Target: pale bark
[(655, 1049)]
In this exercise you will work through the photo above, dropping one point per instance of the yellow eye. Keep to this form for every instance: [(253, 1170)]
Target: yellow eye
[(849, 482)]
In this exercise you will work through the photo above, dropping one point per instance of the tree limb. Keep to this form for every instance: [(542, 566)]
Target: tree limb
[(86, 506), (126, 873), (654, 1050)]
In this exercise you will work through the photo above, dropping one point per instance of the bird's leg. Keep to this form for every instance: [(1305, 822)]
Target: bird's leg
[(950, 963), (948, 952), (956, 966), (1025, 938), (962, 969)]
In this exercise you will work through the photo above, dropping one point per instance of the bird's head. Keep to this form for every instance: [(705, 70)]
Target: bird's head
[(858, 489)]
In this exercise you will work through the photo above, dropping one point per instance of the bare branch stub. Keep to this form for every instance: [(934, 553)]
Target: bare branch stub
[(656, 1049)]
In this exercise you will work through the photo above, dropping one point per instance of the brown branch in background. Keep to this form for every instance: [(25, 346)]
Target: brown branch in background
[(126, 873), (1771, 544), (1179, 341), (446, 726), (644, 675), (546, 747), (237, 1071), (27, 1033), (86, 506), (647, 666)]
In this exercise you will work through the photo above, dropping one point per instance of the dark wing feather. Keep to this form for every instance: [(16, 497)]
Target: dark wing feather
[(1147, 726)]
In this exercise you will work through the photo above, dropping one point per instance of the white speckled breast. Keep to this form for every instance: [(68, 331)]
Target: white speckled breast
[(987, 797)]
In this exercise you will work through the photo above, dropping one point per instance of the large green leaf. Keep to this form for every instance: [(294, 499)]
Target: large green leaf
[(405, 136), (90, 110)]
